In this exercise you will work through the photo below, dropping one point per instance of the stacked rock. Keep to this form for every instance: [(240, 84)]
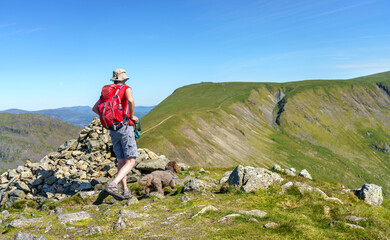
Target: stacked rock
[(81, 164)]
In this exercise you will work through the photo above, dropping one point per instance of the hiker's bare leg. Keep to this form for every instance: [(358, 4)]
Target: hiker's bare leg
[(126, 167), (122, 162)]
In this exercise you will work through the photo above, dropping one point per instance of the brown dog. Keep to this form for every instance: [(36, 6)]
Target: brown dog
[(160, 179)]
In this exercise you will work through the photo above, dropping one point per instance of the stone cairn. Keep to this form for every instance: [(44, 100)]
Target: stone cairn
[(82, 164)]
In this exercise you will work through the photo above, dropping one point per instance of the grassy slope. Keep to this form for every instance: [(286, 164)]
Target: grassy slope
[(323, 126), (31, 136)]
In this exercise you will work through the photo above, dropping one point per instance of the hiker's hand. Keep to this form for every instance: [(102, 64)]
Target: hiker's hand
[(134, 119)]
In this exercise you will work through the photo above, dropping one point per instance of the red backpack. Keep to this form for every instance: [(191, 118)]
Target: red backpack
[(110, 107)]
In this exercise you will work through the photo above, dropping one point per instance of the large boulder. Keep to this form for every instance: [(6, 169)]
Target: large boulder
[(250, 179), (152, 164), (371, 194)]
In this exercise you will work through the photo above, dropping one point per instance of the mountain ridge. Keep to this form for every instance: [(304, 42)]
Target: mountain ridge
[(312, 122)]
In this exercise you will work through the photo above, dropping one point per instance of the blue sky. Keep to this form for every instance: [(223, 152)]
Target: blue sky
[(60, 53)]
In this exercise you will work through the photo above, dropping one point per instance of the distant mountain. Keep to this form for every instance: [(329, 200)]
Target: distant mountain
[(79, 116), (26, 136)]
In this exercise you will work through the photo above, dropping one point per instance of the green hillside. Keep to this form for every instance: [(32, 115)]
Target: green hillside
[(30, 136), (338, 129)]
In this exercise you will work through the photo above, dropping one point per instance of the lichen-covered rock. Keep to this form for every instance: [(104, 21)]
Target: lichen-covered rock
[(205, 209), (290, 171), (195, 185), (304, 173), (152, 165), (26, 236), (303, 188), (371, 194), (225, 177), (227, 217), (70, 217), (271, 225), (254, 213), (276, 167), (249, 178), (235, 178), (21, 222), (355, 219), (258, 178)]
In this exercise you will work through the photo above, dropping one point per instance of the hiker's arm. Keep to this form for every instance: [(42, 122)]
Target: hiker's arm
[(95, 108), (129, 95)]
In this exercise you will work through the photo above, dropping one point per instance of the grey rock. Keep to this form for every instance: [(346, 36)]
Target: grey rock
[(250, 178), (183, 166), (50, 180), (130, 214), (303, 188), (26, 236), (21, 222), (258, 178), (225, 177), (18, 194), (290, 171), (12, 173), (26, 175), (5, 214), (271, 225), (205, 209), (69, 217), (371, 194), (333, 223), (93, 230), (69, 145), (355, 219), (184, 198), (84, 186), (304, 173), (227, 217), (92, 145), (157, 195), (236, 176), (152, 165), (48, 228), (194, 185), (22, 186), (276, 167), (99, 180), (37, 182), (120, 224), (87, 194), (354, 226), (254, 213), (131, 201), (326, 210), (58, 211), (70, 162)]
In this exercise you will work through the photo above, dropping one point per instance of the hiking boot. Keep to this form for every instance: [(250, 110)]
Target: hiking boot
[(127, 193), (112, 189)]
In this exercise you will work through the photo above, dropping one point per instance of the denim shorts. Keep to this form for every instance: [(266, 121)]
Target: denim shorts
[(124, 143)]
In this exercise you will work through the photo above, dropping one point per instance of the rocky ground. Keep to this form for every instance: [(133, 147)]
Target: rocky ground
[(62, 197)]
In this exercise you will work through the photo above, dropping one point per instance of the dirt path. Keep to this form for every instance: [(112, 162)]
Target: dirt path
[(158, 124)]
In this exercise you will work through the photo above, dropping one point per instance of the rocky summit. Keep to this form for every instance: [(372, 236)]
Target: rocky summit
[(61, 197), (83, 164)]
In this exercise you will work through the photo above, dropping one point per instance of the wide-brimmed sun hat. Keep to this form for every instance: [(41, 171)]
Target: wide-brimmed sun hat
[(119, 75)]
